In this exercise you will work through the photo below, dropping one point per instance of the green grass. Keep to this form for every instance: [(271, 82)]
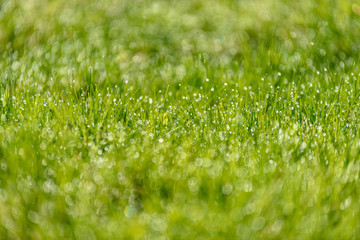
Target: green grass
[(196, 119)]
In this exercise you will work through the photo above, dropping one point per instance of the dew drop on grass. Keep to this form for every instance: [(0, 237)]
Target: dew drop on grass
[(130, 211), (227, 189)]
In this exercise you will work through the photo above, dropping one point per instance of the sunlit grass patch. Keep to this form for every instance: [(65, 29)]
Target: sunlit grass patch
[(179, 119)]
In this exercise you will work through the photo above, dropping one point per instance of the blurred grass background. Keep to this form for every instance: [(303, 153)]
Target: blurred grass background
[(139, 36), (179, 119)]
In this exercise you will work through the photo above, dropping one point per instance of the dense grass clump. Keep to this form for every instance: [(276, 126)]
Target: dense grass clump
[(179, 119)]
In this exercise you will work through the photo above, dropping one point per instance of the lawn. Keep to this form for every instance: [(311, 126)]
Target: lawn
[(193, 119)]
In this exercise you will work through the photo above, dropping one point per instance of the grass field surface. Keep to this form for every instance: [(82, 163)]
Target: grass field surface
[(196, 119)]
